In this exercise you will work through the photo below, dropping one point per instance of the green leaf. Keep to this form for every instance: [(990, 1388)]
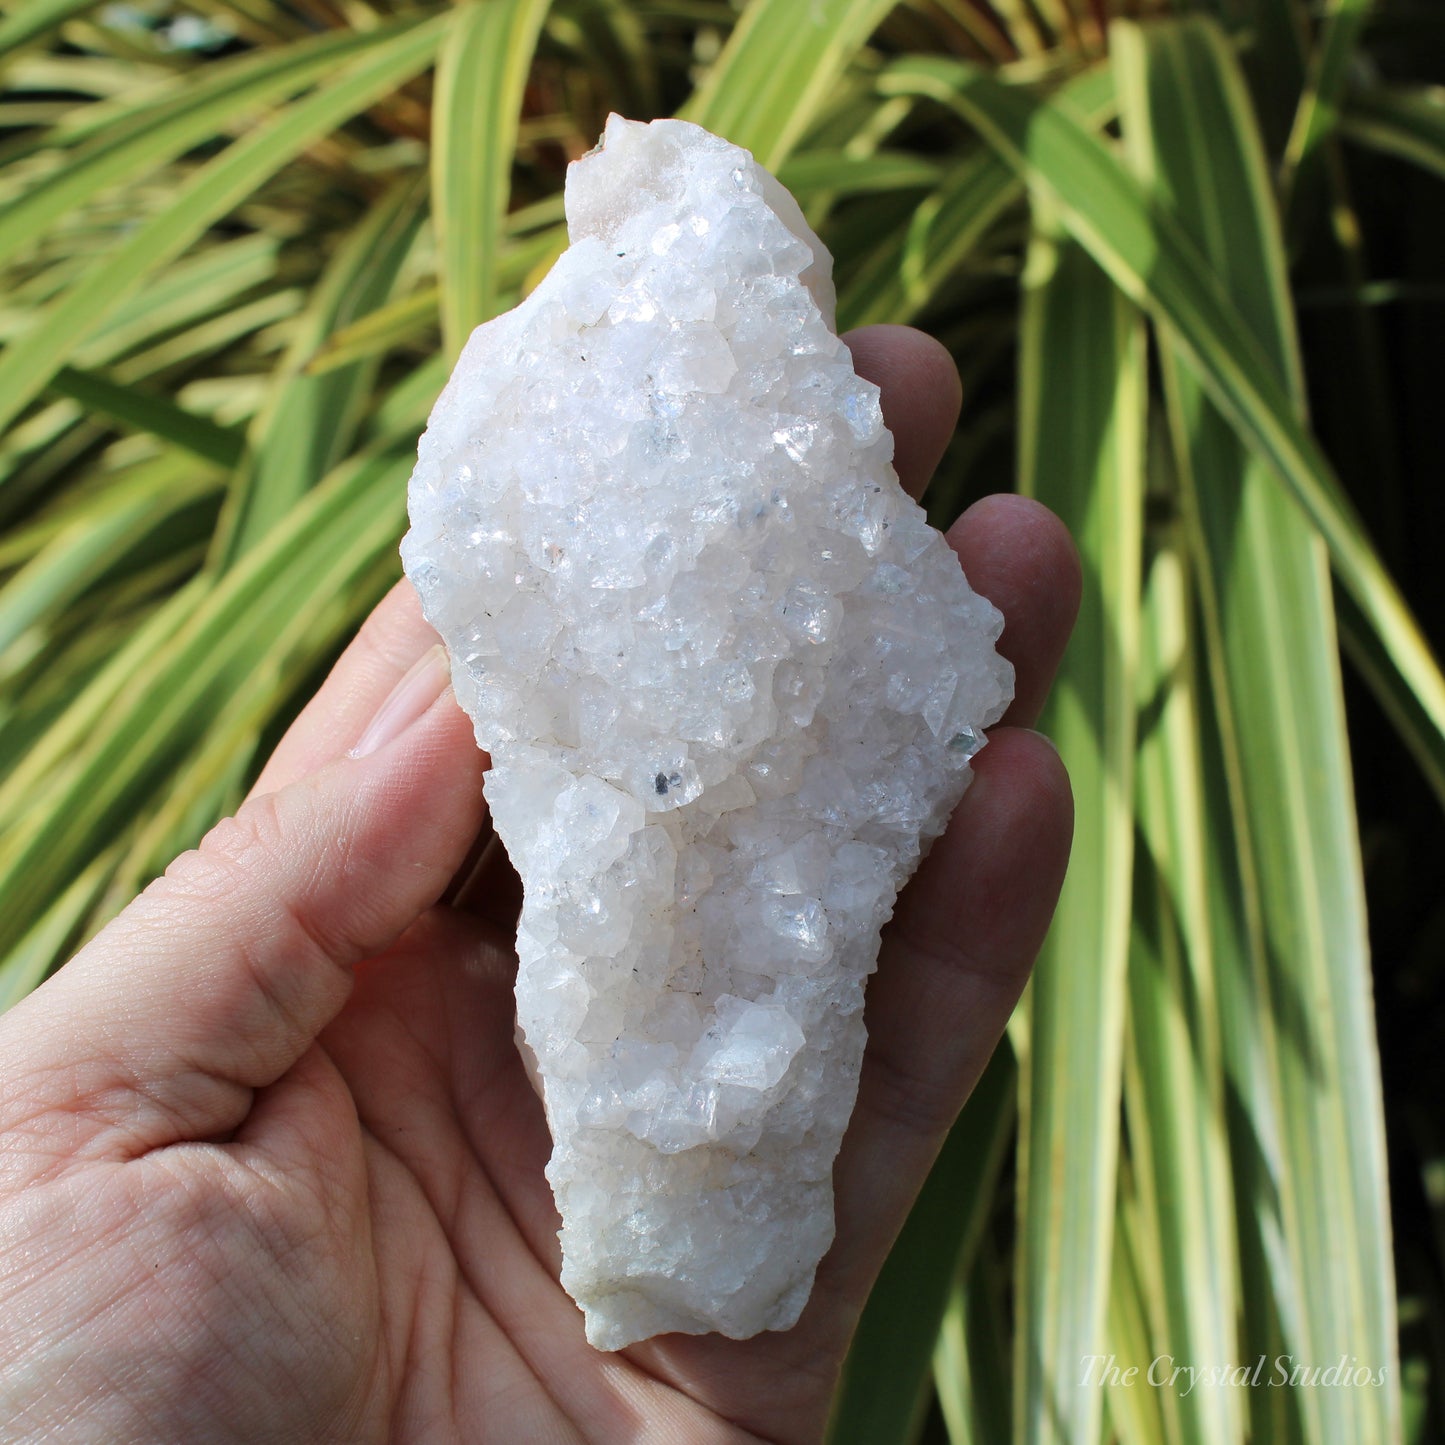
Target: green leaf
[(404, 320), (218, 446), (1404, 121), (211, 783), (309, 422), (847, 174), (413, 318), (1082, 399), (157, 133), (27, 365), (1319, 107), (1362, 646), (73, 646), (777, 70), (97, 541), (1181, 1223), (481, 71), (947, 228), (210, 280), (971, 1367), (885, 1386), (1306, 1074), (403, 411), (896, 285), (249, 320), (610, 38), (30, 19), (1135, 1414), (54, 934), (1153, 261)]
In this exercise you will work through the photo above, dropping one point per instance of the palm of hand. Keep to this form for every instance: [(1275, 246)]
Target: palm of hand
[(373, 1255), (263, 1191)]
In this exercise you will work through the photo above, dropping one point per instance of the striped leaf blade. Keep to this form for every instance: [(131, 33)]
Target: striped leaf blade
[(885, 1388), (1401, 120), (54, 934), (1307, 1078), (147, 411), (214, 102), (212, 279), (778, 68), (843, 173), (971, 1369), (1182, 1223), (308, 423), (481, 71), (901, 281), (28, 363), (1325, 81), (98, 542), (1121, 1372), (1082, 400), (28, 20)]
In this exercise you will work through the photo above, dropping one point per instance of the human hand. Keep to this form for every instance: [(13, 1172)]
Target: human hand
[(270, 1165)]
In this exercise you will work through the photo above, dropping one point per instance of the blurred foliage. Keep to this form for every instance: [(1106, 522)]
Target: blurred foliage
[(240, 241)]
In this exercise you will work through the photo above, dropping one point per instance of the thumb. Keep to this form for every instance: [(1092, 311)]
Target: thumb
[(221, 974)]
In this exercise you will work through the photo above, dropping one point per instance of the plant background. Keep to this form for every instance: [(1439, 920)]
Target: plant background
[(1189, 257)]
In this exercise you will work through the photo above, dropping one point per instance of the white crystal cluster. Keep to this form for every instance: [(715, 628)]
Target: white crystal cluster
[(730, 681)]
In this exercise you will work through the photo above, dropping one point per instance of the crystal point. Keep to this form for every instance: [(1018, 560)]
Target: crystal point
[(730, 681)]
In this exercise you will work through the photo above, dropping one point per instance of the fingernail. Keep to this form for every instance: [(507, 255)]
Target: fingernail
[(408, 700)]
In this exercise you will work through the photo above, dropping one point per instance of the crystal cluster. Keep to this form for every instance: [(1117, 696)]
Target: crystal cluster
[(730, 681)]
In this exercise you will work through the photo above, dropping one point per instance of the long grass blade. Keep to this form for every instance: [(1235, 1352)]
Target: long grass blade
[(1181, 1223), (841, 173), (404, 320), (309, 423), (97, 543), (212, 279), (1135, 1413), (54, 934), (971, 1368), (1269, 625), (1404, 121), (31, 19), (1325, 80), (1362, 646), (28, 364), (158, 133), (886, 1381), (1082, 396), (481, 71), (610, 37), (143, 411), (777, 70), (900, 282)]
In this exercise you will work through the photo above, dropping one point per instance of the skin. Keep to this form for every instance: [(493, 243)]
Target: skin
[(270, 1164)]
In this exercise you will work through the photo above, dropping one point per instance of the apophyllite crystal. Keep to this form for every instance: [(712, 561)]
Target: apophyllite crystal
[(730, 681)]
